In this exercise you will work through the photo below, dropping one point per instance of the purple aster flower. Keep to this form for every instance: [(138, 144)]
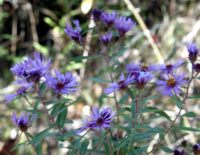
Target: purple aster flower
[(22, 90), (74, 33), (169, 68), (179, 152), (142, 78), (100, 119), (106, 38), (193, 51), (121, 85), (124, 24), (108, 18), (171, 84), (23, 122), (96, 14), (196, 67), (32, 69), (62, 83)]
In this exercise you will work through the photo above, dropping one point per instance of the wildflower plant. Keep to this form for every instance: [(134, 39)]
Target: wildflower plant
[(118, 124)]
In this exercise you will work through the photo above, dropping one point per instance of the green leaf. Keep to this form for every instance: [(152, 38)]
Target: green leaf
[(62, 116), (39, 149), (106, 148), (187, 129), (40, 136), (17, 146), (189, 114), (166, 149), (84, 145), (158, 111)]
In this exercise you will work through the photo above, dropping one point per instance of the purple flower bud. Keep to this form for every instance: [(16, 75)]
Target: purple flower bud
[(142, 78), (196, 148), (123, 25), (106, 38), (193, 51), (96, 14), (74, 33), (23, 122), (108, 18)]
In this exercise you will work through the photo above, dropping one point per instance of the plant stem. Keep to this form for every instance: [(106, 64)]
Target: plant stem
[(28, 139), (115, 95)]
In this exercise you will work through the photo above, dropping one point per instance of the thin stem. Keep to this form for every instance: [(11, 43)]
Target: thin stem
[(51, 118), (45, 110), (115, 95), (137, 103), (28, 139)]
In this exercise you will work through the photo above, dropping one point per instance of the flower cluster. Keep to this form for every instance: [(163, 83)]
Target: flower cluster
[(140, 75), (100, 119), (29, 74), (120, 23)]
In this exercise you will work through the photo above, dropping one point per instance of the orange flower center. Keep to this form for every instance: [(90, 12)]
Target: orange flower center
[(171, 82)]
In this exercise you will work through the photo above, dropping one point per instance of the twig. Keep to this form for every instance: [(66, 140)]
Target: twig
[(145, 30), (32, 22), (14, 34), (86, 47)]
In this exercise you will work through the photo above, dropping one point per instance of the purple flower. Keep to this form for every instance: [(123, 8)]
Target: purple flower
[(142, 78), (120, 85), (169, 68), (22, 90), (171, 84), (193, 51), (100, 119), (124, 24), (196, 67), (196, 148), (106, 38), (62, 83), (96, 14), (74, 33), (23, 122), (32, 69), (108, 18), (179, 152)]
